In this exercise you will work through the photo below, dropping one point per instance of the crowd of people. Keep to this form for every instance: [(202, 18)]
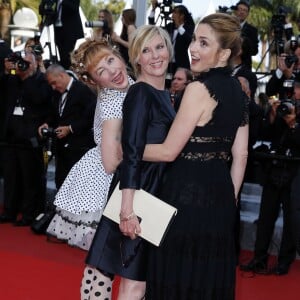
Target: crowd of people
[(117, 118)]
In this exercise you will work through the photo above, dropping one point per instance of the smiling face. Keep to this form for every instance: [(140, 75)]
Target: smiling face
[(154, 58), (110, 72), (205, 50)]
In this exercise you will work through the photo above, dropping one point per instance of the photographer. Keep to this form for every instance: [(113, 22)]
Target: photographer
[(33, 45), (64, 15), (281, 167), (27, 103), (288, 67), (71, 120), (295, 187)]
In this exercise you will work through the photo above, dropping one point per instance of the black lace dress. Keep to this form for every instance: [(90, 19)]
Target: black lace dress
[(197, 259)]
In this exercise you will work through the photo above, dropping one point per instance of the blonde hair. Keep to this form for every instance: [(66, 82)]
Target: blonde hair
[(140, 37)]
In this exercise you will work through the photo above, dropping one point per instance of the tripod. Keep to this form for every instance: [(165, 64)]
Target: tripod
[(48, 19), (51, 46), (274, 41)]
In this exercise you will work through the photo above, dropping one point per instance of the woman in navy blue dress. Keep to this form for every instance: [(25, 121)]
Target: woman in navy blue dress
[(147, 117)]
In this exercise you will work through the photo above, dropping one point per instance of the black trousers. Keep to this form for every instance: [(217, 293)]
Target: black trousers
[(295, 204), (24, 181), (65, 159), (273, 198)]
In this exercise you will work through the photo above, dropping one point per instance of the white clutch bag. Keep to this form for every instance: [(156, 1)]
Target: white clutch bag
[(155, 215)]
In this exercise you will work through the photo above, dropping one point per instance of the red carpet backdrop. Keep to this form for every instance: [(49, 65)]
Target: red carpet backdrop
[(34, 269)]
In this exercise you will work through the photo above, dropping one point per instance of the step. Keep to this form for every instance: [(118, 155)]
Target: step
[(250, 203), (252, 189)]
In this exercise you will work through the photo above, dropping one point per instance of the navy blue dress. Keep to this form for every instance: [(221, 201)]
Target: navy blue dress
[(147, 117), (196, 261)]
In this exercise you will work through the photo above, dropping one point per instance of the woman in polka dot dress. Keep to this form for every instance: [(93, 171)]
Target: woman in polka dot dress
[(81, 199)]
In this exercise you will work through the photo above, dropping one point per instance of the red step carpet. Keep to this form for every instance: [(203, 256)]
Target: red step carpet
[(35, 269)]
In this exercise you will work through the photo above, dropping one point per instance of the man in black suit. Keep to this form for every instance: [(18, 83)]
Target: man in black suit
[(26, 100), (284, 73), (72, 119), (4, 52), (67, 29), (249, 32)]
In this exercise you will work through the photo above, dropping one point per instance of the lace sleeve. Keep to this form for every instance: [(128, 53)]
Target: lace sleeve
[(245, 115)]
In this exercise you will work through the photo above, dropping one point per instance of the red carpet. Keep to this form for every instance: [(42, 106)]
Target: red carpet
[(34, 269)]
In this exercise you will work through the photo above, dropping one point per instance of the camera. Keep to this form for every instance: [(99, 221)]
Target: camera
[(95, 24), (37, 50), (47, 8), (278, 23), (48, 132), (17, 59), (291, 59), (226, 10), (285, 108), (166, 6), (287, 104), (169, 2), (48, 11), (99, 24)]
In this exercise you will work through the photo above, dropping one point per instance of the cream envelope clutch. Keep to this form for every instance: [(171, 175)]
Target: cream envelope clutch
[(156, 215)]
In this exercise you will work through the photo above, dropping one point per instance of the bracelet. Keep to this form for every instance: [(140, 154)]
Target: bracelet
[(127, 218)]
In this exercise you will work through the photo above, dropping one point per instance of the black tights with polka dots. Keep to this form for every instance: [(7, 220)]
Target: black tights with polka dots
[(95, 286)]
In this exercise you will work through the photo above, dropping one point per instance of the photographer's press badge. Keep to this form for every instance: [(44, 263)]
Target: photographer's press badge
[(18, 111)]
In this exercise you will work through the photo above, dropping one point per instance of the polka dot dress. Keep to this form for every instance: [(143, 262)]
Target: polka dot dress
[(82, 197), (95, 285)]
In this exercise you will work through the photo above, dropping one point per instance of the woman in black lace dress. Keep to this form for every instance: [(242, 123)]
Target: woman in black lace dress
[(197, 259)]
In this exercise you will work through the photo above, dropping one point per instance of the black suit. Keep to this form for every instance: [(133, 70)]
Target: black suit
[(250, 36), (23, 164), (275, 85), (180, 46), (71, 30), (79, 114)]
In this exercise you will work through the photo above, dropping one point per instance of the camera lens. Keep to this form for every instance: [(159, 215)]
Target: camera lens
[(22, 65)]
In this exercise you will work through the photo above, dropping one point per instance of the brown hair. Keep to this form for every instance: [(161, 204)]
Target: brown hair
[(88, 54), (129, 16), (108, 17), (228, 31)]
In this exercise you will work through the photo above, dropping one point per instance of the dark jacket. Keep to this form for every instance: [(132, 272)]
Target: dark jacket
[(250, 36), (78, 112), (71, 30), (34, 96), (181, 45)]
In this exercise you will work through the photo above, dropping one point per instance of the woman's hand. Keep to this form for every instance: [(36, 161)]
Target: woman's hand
[(130, 226)]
